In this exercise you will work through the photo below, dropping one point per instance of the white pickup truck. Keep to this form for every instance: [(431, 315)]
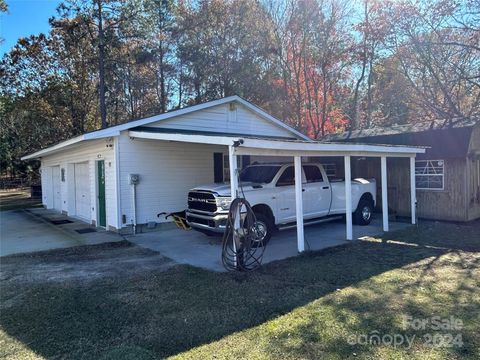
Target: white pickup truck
[(270, 190)]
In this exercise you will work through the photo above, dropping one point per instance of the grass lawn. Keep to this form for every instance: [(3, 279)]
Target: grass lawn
[(17, 199), (307, 307)]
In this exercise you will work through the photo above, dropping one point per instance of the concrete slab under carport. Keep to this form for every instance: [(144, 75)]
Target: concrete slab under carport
[(194, 248), (25, 231)]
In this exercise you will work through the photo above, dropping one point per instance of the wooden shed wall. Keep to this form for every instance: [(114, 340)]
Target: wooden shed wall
[(448, 204), (473, 175)]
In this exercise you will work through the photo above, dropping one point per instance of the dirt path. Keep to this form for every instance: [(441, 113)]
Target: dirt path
[(82, 263)]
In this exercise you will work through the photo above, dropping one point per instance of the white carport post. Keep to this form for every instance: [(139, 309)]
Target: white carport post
[(232, 158), (384, 193), (413, 191), (348, 197), (299, 203)]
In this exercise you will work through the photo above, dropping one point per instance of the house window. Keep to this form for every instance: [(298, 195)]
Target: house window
[(330, 169), (430, 174), (226, 166)]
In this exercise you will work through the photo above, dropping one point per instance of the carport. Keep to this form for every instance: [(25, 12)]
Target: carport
[(238, 146)]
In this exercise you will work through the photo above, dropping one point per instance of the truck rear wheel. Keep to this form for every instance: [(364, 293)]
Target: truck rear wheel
[(364, 212)]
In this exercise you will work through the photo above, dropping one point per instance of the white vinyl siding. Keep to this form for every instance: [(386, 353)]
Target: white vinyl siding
[(220, 119), (430, 174), (167, 171), (88, 152)]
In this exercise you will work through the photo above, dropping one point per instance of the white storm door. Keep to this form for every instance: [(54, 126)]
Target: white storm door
[(82, 191), (56, 189)]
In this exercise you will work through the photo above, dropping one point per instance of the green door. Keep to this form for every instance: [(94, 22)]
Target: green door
[(102, 212)]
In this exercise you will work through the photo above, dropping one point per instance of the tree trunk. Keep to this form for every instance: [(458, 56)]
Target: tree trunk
[(354, 118), (163, 92), (101, 65), (369, 91)]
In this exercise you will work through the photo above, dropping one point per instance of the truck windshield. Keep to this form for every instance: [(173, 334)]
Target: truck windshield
[(259, 174)]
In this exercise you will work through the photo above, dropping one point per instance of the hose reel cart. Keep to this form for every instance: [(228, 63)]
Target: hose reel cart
[(242, 244)]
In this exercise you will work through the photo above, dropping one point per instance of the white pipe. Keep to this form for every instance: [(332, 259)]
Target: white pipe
[(413, 190), (299, 203), (348, 197), (232, 158), (384, 193), (134, 199)]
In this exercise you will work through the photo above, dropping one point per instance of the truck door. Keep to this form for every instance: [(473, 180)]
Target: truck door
[(317, 195), (285, 194)]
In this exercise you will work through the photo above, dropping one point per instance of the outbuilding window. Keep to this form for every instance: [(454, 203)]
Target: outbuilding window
[(429, 174), (330, 170)]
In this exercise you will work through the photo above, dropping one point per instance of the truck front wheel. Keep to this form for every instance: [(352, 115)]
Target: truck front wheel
[(262, 230), (364, 212)]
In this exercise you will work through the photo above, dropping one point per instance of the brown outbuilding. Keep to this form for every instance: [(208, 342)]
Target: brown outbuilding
[(447, 175)]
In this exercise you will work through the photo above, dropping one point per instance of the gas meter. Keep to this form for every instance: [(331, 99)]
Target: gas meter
[(134, 179)]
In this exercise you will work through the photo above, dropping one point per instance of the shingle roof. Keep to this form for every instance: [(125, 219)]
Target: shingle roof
[(445, 140), (404, 128)]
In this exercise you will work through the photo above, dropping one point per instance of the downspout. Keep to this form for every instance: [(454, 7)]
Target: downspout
[(134, 200), (467, 186), (134, 180), (118, 192)]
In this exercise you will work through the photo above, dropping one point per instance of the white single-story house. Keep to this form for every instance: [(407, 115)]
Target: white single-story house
[(123, 176)]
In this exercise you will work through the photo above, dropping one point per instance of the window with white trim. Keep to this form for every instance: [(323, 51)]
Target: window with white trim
[(226, 166), (430, 174)]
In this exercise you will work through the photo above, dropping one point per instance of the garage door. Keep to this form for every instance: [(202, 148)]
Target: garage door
[(82, 191), (56, 193)]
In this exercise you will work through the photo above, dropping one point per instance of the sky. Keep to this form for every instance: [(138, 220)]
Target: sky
[(25, 18)]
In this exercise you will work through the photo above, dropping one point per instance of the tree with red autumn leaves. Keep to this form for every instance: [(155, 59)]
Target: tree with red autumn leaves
[(313, 64)]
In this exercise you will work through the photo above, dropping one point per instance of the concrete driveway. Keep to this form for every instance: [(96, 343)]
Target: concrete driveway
[(23, 231), (194, 248)]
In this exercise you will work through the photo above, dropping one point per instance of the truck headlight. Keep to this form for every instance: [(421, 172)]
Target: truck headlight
[(224, 202)]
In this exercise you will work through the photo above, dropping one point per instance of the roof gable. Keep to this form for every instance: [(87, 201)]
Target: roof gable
[(261, 115), (231, 118), (114, 130)]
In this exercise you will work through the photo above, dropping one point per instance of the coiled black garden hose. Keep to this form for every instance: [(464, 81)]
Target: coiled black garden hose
[(242, 248)]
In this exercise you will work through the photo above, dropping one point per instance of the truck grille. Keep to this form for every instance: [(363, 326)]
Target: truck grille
[(201, 221), (202, 201)]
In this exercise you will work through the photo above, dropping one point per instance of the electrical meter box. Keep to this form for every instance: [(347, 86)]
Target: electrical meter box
[(134, 179)]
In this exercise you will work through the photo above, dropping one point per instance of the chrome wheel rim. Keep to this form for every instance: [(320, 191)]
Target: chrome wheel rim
[(366, 213), (259, 231)]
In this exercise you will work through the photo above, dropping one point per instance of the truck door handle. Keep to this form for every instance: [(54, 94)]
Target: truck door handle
[(303, 190), (325, 187)]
